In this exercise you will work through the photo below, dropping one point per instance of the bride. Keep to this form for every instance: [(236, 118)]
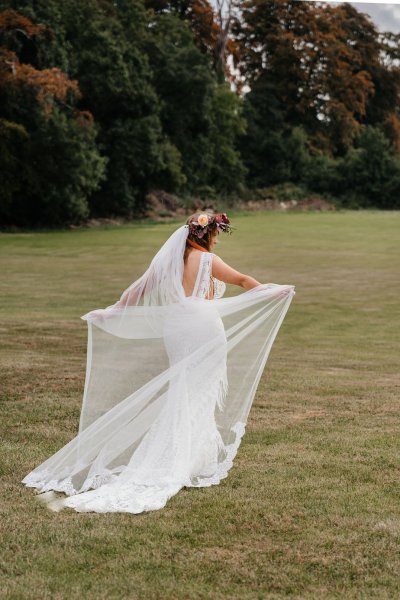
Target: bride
[(172, 370)]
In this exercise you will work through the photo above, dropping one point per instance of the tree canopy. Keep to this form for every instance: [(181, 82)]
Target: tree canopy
[(103, 101)]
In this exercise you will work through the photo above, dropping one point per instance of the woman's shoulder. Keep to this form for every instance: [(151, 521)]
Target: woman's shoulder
[(211, 256), (205, 254), (214, 257)]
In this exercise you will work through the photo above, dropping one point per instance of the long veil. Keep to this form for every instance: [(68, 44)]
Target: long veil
[(160, 367)]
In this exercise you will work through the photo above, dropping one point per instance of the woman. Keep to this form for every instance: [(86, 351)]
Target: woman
[(172, 370)]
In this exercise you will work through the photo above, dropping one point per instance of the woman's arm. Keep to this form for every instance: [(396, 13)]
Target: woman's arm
[(225, 273)]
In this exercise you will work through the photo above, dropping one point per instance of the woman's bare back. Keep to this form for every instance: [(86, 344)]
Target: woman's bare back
[(190, 270)]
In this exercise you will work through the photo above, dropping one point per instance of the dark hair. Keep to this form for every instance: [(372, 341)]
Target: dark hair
[(203, 226), (205, 240)]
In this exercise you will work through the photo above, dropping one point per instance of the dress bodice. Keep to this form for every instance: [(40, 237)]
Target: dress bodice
[(206, 285)]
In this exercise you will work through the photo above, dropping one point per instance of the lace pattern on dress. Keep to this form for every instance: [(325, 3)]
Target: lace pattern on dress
[(128, 497), (206, 285), (40, 480), (223, 468)]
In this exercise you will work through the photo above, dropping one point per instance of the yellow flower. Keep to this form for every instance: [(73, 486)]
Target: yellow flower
[(202, 220)]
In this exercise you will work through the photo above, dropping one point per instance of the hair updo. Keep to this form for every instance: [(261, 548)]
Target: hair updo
[(203, 226)]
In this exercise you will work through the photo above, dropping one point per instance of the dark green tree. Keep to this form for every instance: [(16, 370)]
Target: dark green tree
[(370, 172), (48, 156), (201, 118), (163, 120), (99, 43)]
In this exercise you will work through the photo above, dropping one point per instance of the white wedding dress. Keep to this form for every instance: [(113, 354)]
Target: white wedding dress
[(168, 390)]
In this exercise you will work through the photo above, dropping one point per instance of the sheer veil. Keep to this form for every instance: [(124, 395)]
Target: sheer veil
[(161, 284), (167, 376)]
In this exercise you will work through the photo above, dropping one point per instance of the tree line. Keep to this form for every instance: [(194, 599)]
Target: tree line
[(103, 101)]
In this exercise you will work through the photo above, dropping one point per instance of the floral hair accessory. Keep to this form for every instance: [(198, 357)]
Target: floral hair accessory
[(202, 220), (204, 223)]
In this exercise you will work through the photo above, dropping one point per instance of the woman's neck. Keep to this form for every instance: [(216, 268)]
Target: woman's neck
[(196, 245)]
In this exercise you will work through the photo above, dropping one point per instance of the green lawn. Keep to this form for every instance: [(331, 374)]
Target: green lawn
[(311, 507)]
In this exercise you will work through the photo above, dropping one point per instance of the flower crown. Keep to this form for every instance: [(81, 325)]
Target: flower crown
[(205, 223)]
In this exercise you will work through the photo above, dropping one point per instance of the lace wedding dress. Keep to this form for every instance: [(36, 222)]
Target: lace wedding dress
[(169, 385)]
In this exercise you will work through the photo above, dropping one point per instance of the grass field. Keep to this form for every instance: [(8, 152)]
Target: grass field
[(311, 507)]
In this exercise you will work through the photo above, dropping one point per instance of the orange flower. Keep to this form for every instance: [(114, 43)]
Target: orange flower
[(203, 220)]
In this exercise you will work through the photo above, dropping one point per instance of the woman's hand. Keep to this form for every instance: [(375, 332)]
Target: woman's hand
[(285, 292)]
